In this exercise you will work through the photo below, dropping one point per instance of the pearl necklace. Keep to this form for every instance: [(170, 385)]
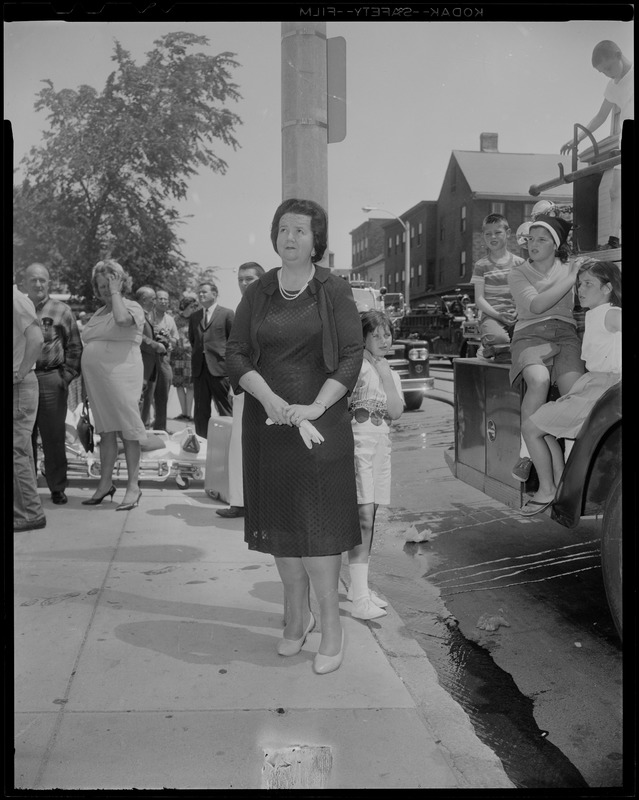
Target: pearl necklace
[(288, 295)]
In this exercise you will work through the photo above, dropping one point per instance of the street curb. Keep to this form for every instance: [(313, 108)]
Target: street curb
[(474, 764)]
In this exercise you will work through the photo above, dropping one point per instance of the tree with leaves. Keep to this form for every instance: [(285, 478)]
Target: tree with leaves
[(111, 164)]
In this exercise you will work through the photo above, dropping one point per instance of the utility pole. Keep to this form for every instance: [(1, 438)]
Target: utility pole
[(304, 112), (313, 108)]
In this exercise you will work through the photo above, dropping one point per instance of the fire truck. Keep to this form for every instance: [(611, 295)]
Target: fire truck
[(487, 410)]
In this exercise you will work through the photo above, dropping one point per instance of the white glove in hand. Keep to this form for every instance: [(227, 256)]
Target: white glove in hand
[(308, 432)]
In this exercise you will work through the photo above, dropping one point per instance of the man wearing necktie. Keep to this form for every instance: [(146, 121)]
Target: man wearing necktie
[(209, 330)]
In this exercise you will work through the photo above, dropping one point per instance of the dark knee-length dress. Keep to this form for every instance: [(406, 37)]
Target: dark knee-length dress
[(298, 501)]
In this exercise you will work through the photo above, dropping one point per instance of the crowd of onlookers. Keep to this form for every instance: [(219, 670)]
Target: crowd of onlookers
[(123, 360)]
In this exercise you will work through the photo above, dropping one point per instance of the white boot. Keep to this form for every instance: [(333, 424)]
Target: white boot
[(363, 606)]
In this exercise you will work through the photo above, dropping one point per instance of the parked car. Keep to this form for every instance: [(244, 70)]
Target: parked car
[(410, 357), (439, 324)]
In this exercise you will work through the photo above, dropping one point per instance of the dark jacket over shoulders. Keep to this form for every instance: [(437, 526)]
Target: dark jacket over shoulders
[(342, 341)]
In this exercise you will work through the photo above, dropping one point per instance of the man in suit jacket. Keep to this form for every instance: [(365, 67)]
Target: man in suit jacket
[(151, 351), (209, 330)]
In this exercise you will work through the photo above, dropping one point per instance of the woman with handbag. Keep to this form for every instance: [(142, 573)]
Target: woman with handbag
[(112, 372)]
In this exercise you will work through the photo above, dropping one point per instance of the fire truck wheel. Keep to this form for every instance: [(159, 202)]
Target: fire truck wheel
[(611, 552)]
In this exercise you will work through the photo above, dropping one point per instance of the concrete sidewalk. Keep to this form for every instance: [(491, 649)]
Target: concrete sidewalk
[(145, 658)]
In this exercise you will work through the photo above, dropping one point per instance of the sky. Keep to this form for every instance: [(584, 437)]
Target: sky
[(416, 91)]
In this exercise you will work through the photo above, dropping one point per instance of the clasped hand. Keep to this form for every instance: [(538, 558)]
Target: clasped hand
[(308, 432), (281, 413), (297, 413)]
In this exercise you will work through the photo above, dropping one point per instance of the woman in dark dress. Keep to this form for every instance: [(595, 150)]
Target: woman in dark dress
[(296, 350)]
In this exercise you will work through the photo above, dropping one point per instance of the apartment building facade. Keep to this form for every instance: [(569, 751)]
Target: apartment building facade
[(446, 237)]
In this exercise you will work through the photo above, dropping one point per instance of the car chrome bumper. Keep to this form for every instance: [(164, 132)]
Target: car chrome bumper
[(418, 384)]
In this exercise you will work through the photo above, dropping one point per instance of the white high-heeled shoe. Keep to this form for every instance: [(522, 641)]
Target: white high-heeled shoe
[(291, 647), (323, 664)]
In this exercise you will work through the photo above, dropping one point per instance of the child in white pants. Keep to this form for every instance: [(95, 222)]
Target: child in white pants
[(376, 400)]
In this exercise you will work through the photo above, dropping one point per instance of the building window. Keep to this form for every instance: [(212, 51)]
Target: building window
[(412, 231), (397, 279), (419, 270), (412, 273), (462, 220), (396, 242), (403, 241), (498, 208), (462, 264), (390, 245), (419, 233)]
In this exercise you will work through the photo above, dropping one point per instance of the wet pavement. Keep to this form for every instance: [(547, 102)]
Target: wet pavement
[(511, 613)]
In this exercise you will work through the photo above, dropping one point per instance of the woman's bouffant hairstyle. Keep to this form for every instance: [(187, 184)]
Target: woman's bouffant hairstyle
[(111, 267), (374, 319), (187, 301), (606, 272), (319, 223)]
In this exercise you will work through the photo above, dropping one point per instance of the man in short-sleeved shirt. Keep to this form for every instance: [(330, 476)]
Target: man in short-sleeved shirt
[(27, 344), (57, 366)]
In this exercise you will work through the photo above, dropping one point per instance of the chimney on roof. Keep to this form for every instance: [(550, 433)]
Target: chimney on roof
[(488, 142)]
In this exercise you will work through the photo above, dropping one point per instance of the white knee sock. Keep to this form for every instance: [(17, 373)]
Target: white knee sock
[(359, 580)]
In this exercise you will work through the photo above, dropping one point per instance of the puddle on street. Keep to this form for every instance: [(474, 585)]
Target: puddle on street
[(501, 715)]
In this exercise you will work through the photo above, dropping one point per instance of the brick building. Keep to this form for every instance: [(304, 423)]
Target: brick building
[(478, 183), (446, 235)]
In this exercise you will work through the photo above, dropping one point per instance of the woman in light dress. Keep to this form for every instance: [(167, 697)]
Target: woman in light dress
[(112, 372)]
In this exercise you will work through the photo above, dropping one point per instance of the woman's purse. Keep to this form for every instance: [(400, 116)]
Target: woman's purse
[(85, 428)]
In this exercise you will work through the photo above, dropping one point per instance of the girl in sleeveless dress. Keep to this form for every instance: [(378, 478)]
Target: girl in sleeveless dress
[(599, 290), (376, 400)]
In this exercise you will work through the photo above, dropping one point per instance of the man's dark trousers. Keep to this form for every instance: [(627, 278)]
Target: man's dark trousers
[(163, 379), (207, 387), (50, 422)]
